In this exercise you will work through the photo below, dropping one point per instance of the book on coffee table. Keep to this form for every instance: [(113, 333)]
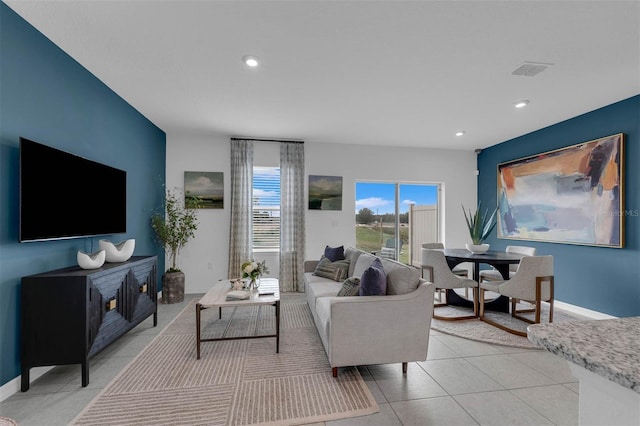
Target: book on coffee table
[(238, 295)]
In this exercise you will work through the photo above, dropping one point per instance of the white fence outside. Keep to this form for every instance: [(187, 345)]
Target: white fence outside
[(423, 226)]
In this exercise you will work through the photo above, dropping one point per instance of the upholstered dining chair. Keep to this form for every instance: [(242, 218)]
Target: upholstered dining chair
[(532, 282), (435, 264), (457, 271), (494, 275)]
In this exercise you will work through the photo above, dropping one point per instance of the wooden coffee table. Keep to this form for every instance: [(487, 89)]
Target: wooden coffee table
[(217, 297)]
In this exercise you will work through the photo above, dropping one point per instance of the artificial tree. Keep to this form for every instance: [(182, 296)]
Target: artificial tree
[(174, 229)]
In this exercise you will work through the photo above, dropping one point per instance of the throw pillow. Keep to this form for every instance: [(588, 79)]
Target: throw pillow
[(374, 280), (334, 253), (350, 287), (336, 271)]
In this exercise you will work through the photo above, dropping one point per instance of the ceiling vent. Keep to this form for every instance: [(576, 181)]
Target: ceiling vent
[(529, 69)]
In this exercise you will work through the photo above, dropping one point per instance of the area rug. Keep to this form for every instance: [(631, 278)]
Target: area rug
[(236, 382), (474, 329)]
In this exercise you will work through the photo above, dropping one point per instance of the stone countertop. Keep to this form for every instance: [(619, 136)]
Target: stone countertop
[(609, 348)]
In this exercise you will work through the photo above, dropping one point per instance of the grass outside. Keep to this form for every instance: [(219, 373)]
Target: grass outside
[(372, 238)]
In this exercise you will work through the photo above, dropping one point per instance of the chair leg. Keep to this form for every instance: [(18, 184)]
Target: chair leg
[(475, 300), (404, 368), (464, 317), (551, 297), (481, 302)]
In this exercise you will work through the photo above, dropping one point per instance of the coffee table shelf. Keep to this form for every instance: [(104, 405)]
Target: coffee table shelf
[(217, 297)]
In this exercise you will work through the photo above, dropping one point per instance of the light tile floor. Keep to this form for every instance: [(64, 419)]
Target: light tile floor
[(461, 383)]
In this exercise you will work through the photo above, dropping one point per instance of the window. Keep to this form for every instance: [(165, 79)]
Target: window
[(394, 219), (266, 208)]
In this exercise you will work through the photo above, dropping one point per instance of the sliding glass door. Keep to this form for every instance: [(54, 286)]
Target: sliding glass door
[(393, 219)]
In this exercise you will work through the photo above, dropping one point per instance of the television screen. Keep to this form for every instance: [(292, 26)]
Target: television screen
[(66, 196)]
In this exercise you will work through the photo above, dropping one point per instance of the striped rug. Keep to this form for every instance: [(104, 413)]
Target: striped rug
[(236, 382)]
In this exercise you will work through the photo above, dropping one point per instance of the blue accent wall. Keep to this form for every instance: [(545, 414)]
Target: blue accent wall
[(48, 97), (602, 279)]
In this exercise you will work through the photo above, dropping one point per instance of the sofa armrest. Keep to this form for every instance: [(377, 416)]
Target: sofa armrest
[(310, 265), (381, 329)]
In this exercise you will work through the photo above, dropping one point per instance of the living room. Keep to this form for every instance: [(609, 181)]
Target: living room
[(49, 97)]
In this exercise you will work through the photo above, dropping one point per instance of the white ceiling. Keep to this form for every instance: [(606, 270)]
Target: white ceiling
[(364, 72)]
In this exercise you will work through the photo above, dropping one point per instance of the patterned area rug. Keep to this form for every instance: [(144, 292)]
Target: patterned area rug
[(474, 329), (236, 382)]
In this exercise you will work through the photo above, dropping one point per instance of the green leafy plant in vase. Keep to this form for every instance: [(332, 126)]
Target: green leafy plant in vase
[(174, 228), (480, 226)]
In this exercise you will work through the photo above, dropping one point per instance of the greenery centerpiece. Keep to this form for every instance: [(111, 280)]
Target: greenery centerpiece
[(174, 229), (480, 226)]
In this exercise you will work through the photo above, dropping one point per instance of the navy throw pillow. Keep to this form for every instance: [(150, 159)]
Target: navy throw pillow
[(374, 280), (334, 253)]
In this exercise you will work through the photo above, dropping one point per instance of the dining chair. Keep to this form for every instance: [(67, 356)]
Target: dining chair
[(495, 275), (434, 262), (533, 282), (439, 246)]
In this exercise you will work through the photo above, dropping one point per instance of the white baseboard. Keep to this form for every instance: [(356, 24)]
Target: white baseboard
[(587, 313), (13, 386)]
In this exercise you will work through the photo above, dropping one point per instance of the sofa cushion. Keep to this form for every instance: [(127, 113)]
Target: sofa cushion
[(401, 278), (334, 253), (351, 254), (350, 287), (336, 271), (374, 280), (323, 320), (316, 287), (325, 288), (362, 263)]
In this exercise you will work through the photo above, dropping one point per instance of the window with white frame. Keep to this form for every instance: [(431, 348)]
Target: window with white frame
[(266, 208)]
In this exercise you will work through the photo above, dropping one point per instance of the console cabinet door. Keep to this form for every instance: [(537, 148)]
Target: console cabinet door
[(71, 314)]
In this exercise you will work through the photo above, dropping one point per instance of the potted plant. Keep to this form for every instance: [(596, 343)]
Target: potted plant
[(174, 229), (480, 226)]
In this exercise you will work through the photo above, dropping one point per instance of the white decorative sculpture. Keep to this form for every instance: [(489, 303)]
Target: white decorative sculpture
[(120, 252), (91, 261)]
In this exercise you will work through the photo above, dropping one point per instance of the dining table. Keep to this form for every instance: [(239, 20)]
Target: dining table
[(498, 259)]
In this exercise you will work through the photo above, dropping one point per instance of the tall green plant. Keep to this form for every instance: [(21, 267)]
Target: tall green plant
[(480, 225), (177, 225)]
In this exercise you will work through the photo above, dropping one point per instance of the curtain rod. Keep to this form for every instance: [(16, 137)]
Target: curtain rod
[(264, 140)]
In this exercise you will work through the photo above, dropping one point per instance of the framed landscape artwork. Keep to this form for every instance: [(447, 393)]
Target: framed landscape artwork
[(325, 192), (208, 187), (571, 195)]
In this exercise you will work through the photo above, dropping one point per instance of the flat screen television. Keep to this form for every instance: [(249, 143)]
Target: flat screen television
[(63, 195)]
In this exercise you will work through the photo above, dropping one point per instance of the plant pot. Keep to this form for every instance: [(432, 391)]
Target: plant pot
[(477, 248), (172, 287)]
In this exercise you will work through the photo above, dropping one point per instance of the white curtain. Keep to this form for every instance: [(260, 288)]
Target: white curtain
[(240, 249), (292, 239)]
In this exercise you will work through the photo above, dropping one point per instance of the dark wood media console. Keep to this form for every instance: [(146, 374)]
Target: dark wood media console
[(71, 314)]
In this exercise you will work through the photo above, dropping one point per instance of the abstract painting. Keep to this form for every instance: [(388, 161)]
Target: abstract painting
[(572, 195), (207, 187), (325, 192)]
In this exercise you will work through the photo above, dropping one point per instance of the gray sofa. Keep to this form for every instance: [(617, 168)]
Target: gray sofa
[(364, 330)]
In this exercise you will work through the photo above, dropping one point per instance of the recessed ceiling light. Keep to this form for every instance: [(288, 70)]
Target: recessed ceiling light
[(460, 132), (250, 61), (521, 104)]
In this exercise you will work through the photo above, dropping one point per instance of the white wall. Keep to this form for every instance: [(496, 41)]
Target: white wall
[(204, 259)]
